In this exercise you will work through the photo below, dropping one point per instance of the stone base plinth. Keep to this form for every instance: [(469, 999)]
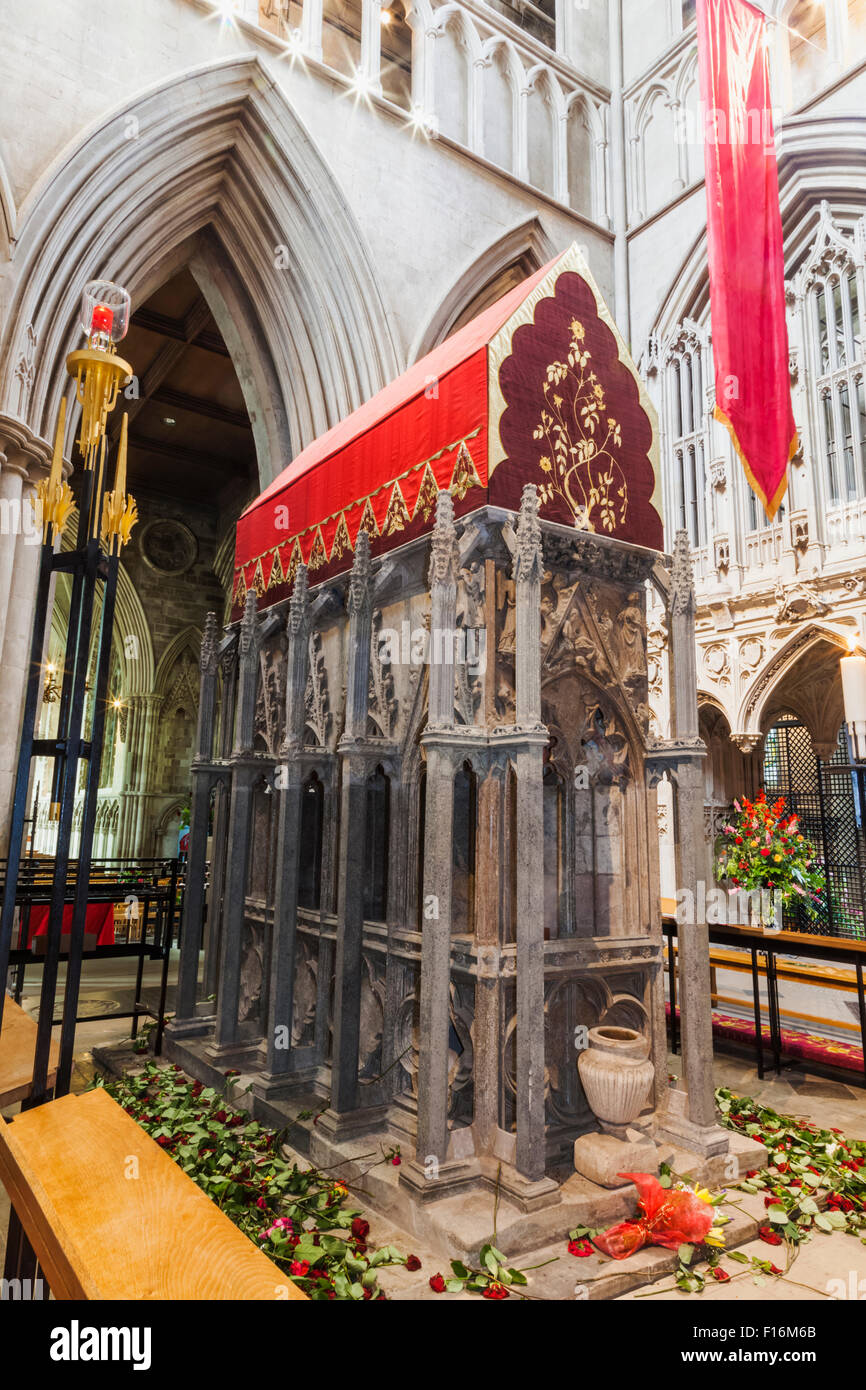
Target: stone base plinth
[(603, 1158), (341, 1125), (452, 1205)]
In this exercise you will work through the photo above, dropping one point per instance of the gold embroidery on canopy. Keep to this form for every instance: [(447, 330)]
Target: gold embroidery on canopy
[(465, 475), (368, 522), (426, 500), (318, 554), (277, 576), (397, 514), (582, 440), (294, 561), (342, 543)]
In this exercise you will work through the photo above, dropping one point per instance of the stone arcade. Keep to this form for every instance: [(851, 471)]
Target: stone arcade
[(429, 806)]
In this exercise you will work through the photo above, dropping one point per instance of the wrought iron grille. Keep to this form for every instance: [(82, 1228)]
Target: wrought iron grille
[(828, 797)]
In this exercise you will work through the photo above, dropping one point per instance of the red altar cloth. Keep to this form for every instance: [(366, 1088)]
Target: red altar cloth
[(98, 922), (538, 388)]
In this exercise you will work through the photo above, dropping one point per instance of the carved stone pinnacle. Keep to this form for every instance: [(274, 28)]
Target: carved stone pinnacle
[(209, 646), (444, 552)]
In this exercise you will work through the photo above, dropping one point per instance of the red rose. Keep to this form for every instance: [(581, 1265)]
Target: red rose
[(261, 1202), (721, 1274), (437, 1283), (300, 1268), (769, 1236), (765, 851), (396, 1160), (494, 1290), (360, 1228), (738, 840), (412, 1262), (580, 1248), (774, 1269)]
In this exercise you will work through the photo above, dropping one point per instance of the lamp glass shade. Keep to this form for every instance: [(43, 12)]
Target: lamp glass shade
[(853, 670), (104, 312)]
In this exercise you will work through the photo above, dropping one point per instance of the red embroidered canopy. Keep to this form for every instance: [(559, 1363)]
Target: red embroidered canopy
[(539, 388)]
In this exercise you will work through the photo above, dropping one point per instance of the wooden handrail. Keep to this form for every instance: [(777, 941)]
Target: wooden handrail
[(111, 1216), (17, 1051)]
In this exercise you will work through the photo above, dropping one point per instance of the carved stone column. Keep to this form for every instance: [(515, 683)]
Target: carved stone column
[(290, 790), (202, 778), (244, 774), (438, 741), (24, 459), (228, 669), (530, 740), (353, 837), (683, 756)]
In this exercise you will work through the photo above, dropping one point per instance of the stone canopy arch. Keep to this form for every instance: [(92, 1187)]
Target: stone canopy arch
[(219, 153), (801, 677)]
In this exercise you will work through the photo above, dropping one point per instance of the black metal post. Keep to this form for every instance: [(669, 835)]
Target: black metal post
[(756, 1000), (88, 823), (90, 565), (672, 988)]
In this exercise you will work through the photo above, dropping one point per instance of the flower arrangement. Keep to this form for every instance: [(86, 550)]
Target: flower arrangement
[(761, 848)]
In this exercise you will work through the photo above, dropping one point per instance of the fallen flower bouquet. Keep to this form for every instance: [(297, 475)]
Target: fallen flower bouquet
[(672, 1216)]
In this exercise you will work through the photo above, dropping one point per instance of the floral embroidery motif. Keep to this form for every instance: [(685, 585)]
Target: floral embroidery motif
[(581, 438)]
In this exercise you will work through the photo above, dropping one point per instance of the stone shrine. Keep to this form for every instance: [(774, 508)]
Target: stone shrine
[(425, 784)]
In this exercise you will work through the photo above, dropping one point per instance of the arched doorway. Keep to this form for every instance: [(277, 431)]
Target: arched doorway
[(257, 324)]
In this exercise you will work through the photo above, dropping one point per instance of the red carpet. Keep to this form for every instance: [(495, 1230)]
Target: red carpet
[(807, 1047)]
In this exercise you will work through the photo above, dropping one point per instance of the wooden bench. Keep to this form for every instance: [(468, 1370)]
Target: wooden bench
[(111, 1216), (17, 1051)]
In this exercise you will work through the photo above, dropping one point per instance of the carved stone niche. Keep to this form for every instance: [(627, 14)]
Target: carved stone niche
[(799, 522), (270, 715), (251, 976), (722, 554)]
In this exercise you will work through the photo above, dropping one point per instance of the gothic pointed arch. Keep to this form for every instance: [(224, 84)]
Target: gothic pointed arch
[(508, 260), (221, 152), (7, 214), (186, 643), (802, 675)]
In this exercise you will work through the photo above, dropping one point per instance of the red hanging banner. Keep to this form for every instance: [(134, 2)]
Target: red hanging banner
[(744, 245)]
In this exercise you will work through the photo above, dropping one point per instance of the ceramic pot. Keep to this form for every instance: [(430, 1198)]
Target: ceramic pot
[(616, 1075)]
